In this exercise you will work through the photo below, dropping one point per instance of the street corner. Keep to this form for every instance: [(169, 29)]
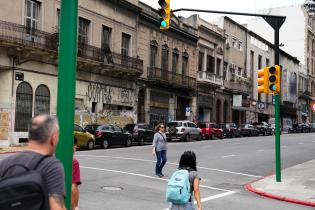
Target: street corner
[(295, 187)]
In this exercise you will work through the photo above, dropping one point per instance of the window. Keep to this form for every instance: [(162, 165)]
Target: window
[(58, 19), (239, 71), (259, 61), (175, 60), (185, 63), (226, 38), (267, 62), (31, 17), (83, 30), (78, 128), (218, 66), (94, 106), (42, 100), (164, 62), (200, 61), (251, 60), (234, 43), (240, 46), (225, 66), (210, 64), (125, 42), (106, 37), (117, 129), (24, 106), (153, 53)]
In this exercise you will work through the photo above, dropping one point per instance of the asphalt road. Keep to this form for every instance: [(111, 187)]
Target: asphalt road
[(123, 178)]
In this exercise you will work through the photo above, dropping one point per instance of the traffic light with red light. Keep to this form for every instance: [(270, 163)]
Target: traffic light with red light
[(165, 14), (263, 81), (274, 78)]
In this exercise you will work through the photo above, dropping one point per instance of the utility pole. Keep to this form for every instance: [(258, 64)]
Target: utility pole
[(67, 62)]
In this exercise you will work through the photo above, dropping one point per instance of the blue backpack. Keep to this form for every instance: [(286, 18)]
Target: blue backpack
[(178, 187)]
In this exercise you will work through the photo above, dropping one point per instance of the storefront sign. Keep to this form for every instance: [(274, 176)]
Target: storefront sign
[(188, 110)]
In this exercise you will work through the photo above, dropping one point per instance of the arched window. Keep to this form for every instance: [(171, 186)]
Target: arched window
[(175, 60), (42, 100), (153, 53), (24, 106), (185, 58), (164, 62)]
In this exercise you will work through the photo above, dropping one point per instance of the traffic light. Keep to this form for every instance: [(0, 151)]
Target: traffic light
[(263, 80), (274, 78), (165, 14)]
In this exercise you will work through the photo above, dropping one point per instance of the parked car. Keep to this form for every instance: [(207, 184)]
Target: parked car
[(296, 128), (210, 130), (248, 130), (141, 132), (108, 135), (230, 130), (84, 139), (91, 128), (183, 130), (263, 128), (312, 127)]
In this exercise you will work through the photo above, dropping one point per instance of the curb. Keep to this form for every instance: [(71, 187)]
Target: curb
[(250, 188), (4, 153)]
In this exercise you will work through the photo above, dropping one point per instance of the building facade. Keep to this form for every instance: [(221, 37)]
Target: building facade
[(167, 88), (107, 67)]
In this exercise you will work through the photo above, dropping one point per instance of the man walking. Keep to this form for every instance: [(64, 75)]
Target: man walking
[(43, 139)]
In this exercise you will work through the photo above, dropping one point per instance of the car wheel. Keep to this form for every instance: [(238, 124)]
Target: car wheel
[(141, 141), (199, 137), (187, 138), (105, 144), (128, 142), (211, 136), (90, 144), (221, 136), (265, 133)]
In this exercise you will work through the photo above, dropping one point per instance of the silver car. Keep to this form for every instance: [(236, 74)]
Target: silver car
[(183, 130)]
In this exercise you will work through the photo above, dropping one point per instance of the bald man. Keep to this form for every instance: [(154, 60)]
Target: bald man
[(43, 139)]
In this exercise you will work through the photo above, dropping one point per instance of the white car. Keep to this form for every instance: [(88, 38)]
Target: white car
[(183, 130)]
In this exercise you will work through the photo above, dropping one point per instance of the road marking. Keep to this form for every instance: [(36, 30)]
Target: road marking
[(147, 176), (261, 150), (301, 143), (213, 197), (226, 156), (284, 146), (313, 141), (169, 163), (237, 143), (258, 140)]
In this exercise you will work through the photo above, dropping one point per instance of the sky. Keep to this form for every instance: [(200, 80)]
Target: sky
[(249, 6)]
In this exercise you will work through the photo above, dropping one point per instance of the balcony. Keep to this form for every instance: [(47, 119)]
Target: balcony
[(32, 44), (207, 77), (172, 79)]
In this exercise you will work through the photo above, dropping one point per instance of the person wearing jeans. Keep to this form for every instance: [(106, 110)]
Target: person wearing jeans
[(159, 148)]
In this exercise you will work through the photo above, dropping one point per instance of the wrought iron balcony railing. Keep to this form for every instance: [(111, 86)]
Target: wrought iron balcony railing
[(15, 33), (204, 76), (171, 78)]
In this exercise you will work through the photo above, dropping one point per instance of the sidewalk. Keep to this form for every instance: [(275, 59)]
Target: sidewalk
[(297, 185), (12, 149)]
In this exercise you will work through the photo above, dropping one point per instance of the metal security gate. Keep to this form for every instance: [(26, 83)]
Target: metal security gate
[(24, 106), (42, 100)]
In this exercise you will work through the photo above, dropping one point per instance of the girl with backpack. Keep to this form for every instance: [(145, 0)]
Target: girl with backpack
[(188, 164), (159, 145)]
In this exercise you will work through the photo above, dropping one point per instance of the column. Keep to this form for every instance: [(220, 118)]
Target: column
[(147, 104)]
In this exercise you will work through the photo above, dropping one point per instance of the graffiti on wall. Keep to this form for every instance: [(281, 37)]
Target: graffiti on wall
[(125, 96), (98, 92), (4, 125), (102, 93)]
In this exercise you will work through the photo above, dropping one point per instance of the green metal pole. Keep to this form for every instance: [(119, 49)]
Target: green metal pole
[(277, 138), (277, 107), (67, 60)]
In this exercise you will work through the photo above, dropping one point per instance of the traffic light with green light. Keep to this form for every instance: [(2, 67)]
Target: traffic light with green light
[(165, 14), (263, 80), (274, 79)]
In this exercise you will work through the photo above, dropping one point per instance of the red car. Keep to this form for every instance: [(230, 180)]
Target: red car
[(210, 130)]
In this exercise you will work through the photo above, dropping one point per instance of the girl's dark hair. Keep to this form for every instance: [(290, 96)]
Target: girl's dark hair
[(188, 160)]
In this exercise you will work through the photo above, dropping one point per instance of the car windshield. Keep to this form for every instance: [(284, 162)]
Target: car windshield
[(174, 124), (202, 125), (104, 127)]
